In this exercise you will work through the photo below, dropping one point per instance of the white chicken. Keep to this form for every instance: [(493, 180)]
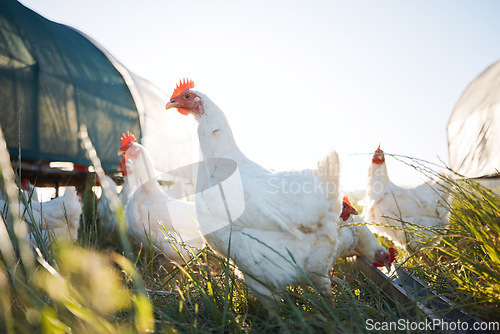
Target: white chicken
[(133, 179), (107, 218), (59, 217), (29, 190), (357, 239), (390, 207), (130, 182), (280, 229), (151, 212)]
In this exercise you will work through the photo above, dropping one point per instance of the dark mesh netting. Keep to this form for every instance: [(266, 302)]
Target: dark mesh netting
[(52, 80)]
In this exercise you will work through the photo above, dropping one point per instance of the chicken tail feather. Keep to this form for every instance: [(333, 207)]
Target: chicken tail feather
[(329, 172)]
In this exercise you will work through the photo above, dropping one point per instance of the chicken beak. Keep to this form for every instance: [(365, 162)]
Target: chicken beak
[(171, 104)]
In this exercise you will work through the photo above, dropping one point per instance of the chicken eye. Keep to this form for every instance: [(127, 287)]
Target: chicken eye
[(187, 96)]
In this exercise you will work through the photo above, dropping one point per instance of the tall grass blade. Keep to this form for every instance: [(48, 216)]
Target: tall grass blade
[(20, 228), (144, 319), (115, 203)]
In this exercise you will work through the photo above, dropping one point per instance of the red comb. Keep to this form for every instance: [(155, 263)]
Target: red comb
[(392, 253), (126, 140), (25, 183), (345, 199), (378, 157), (183, 85)]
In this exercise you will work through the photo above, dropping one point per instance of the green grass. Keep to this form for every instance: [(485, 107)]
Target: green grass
[(105, 284), (90, 287), (465, 266), (206, 295)]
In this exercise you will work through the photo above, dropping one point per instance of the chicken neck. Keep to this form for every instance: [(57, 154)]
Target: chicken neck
[(216, 137), (377, 177)]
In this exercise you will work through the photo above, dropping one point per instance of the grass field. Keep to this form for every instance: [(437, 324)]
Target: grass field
[(104, 284)]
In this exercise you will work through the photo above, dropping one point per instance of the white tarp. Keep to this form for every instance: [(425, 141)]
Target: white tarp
[(170, 138), (474, 127)]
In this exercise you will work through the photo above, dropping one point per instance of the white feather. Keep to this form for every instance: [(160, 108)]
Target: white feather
[(288, 232), (388, 204), (154, 217)]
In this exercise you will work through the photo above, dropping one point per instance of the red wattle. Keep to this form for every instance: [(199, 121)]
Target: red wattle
[(184, 111), (378, 161)]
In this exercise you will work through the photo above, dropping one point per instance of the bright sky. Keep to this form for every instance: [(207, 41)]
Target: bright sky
[(298, 77)]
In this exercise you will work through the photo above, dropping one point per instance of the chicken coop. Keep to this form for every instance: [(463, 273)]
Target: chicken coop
[(54, 79), (474, 129)]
